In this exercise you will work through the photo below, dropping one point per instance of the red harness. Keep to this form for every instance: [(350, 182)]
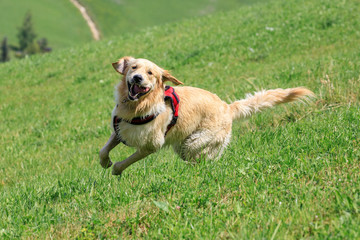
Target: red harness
[(174, 99), (170, 95)]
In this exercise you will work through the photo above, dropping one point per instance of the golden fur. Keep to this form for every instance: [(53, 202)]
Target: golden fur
[(204, 123)]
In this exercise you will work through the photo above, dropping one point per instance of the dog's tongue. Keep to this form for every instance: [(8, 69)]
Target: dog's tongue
[(138, 89)]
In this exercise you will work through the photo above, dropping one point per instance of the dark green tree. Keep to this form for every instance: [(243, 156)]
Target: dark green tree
[(4, 57), (26, 34)]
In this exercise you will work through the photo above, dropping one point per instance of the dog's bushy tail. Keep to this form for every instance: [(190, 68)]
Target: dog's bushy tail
[(267, 99)]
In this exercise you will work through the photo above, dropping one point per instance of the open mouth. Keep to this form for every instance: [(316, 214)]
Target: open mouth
[(136, 91)]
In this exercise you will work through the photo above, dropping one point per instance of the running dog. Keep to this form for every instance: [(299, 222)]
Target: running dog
[(150, 115)]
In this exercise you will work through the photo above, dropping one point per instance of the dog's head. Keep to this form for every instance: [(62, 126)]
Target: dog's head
[(142, 76)]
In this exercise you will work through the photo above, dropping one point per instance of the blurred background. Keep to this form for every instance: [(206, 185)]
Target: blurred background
[(33, 26)]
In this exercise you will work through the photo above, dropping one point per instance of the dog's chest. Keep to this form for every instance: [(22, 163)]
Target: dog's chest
[(139, 136)]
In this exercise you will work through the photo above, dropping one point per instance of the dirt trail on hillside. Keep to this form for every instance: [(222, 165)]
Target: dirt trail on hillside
[(94, 31)]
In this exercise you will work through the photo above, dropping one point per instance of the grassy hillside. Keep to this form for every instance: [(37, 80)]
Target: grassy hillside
[(291, 172), (114, 17), (58, 21)]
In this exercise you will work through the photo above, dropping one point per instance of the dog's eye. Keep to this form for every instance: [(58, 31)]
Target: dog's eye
[(133, 67), (150, 72)]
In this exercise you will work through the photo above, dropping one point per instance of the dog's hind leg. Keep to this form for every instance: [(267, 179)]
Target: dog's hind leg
[(203, 143), (105, 161), (121, 166)]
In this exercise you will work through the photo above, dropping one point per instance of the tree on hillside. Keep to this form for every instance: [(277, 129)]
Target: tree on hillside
[(4, 57), (26, 34), (26, 37)]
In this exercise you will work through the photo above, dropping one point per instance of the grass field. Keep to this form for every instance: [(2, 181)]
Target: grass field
[(58, 21), (289, 173), (116, 17)]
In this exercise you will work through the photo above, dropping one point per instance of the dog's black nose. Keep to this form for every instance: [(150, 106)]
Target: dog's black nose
[(137, 78)]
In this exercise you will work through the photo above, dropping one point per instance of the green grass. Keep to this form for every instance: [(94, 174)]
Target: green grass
[(58, 21), (115, 17), (291, 172)]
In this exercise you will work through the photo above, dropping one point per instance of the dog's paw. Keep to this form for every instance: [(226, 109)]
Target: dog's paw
[(105, 161), (117, 169)]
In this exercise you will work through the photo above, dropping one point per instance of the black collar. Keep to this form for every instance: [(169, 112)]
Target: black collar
[(142, 120)]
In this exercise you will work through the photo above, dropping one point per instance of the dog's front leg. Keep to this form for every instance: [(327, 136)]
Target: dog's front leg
[(121, 166), (104, 152)]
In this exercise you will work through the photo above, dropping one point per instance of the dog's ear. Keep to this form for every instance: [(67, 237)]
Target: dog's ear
[(122, 64), (166, 76)]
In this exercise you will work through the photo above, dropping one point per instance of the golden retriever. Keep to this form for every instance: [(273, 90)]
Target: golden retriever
[(144, 120)]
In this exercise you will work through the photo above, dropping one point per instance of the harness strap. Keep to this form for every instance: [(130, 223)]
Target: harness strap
[(116, 122), (143, 120), (171, 95)]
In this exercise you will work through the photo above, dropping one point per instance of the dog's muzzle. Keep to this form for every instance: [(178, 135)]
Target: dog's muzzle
[(136, 90)]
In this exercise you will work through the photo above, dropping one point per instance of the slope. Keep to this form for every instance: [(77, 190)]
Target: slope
[(119, 16)]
